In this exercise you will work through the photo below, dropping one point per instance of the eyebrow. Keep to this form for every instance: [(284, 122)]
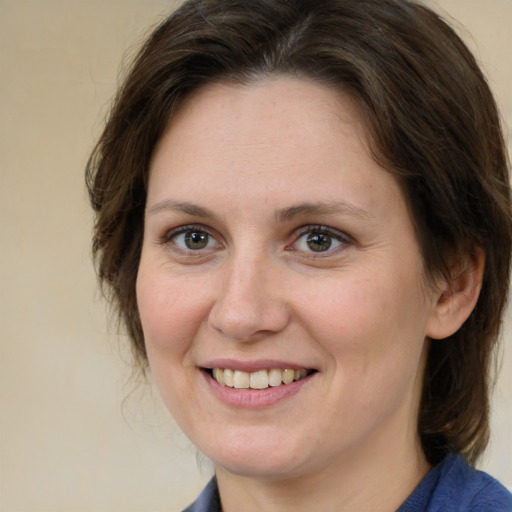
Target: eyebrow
[(283, 215), (321, 208), (181, 206)]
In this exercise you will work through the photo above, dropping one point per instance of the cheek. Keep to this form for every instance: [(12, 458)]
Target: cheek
[(170, 319), (368, 321), (345, 307), (171, 310), (373, 330)]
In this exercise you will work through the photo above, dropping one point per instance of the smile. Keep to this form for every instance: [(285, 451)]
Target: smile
[(261, 379)]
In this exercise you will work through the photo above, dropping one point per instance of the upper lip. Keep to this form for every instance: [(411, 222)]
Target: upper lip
[(253, 366)]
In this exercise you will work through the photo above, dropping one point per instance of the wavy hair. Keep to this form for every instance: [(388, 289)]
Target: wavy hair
[(431, 121)]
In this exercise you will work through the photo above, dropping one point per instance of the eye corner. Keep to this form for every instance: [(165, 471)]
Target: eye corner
[(190, 240), (318, 240)]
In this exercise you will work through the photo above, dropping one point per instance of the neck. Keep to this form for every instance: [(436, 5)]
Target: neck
[(377, 480)]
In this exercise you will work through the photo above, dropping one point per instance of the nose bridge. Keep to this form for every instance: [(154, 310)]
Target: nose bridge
[(249, 303)]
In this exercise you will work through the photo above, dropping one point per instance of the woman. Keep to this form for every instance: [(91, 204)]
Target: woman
[(304, 219)]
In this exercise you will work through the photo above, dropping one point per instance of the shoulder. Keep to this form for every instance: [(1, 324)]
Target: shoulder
[(208, 500), (452, 486), (461, 488)]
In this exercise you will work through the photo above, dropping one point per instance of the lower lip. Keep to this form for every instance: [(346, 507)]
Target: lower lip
[(254, 398)]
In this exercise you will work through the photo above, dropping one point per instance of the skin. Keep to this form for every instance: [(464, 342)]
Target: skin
[(243, 158)]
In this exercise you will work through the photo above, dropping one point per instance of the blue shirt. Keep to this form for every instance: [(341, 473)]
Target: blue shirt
[(452, 486)]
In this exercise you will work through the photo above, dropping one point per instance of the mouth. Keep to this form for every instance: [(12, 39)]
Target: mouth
[(260, 379)]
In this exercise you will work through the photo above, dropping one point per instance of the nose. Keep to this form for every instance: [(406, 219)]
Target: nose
[(250, 303)]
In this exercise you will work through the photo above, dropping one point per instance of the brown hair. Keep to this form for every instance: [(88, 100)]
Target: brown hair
[(431, 121)]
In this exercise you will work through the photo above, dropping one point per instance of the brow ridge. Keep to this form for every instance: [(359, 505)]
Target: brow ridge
[(282, 215), (181, 206), (320, 208)]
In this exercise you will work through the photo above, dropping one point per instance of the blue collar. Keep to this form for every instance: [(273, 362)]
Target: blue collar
[(451, 486)]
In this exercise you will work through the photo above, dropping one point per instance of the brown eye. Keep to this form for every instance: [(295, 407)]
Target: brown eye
[(319, 242), (191, 239), (320, 239), (196, 240)]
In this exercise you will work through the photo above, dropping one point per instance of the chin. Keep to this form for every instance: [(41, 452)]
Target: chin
[(260, 468), (267, 458)]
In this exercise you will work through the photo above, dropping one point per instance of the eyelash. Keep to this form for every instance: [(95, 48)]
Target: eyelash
[(170, 236), (312, 230), (320, 229)]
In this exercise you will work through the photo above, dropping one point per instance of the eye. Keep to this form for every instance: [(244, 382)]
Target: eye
[(190, 238), (319, 239)]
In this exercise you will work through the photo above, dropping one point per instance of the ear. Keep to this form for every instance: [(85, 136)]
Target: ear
[(456, 298)]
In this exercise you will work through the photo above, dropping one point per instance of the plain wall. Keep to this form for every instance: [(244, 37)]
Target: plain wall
[(75, 433)]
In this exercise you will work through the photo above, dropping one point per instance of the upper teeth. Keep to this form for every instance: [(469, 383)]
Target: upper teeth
[(256, 380)]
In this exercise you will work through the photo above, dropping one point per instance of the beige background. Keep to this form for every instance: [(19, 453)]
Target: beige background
[(75, 434)]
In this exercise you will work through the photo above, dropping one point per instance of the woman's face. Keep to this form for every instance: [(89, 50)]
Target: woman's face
[(274, 242)]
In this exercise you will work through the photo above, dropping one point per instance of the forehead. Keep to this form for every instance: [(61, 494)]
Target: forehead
[(279, 101), (288, 107), (268, 135)]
